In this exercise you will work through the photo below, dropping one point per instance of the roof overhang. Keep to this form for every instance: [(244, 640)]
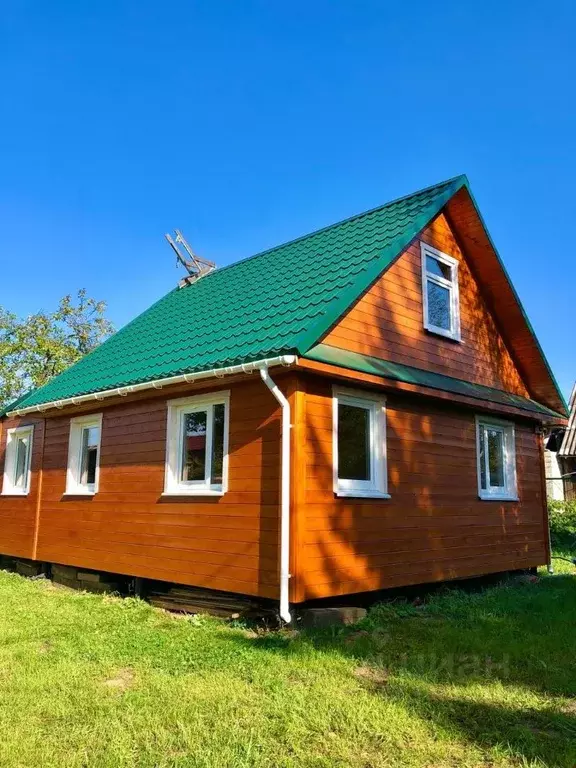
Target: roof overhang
[(184, 378), (503, 301), (428, 382)]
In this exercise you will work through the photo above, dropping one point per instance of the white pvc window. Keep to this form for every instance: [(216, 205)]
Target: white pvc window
[(197, 445), (17, 461), (84, 455), (440, 296), (496, 455), (359, 444)]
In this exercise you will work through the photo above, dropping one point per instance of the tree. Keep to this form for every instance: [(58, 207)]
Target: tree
[(36, 348)]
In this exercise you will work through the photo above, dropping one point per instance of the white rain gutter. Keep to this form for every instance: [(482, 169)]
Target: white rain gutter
[(188, 378), (284, 497)]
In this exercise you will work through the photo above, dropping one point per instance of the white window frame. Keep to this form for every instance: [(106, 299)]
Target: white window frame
[(509, 491), (377, 486), (8, 484), (450, 285), (173, 486), (73, 485)]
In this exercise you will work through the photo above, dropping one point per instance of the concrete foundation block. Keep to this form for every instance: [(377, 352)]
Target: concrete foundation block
[(87, 576), (25, 568), (64, 572), (330, 617)]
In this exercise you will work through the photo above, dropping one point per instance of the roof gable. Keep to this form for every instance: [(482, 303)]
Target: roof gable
[(280, 301), (502, 299), (386, 321)]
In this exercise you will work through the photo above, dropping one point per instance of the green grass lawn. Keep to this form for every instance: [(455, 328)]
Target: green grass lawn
[(468, 679)]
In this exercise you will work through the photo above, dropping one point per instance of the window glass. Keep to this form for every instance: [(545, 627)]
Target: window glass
[(438, 268), (482, 460), (439, 306), (496, 460), (495, 439), (194, 446), (89, 455), (217, 444), (353, 442), (21, 467)]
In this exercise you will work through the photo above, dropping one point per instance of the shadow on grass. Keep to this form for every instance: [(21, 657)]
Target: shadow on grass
[(451, 660), (534, 735)]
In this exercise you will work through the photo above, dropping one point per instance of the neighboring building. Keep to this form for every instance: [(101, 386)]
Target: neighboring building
[(565, 459), (554, 473), (395, 347)]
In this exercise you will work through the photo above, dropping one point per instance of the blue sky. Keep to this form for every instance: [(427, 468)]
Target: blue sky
[(246, 123)]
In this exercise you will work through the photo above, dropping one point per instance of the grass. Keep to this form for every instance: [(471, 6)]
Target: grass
[(466, 679)]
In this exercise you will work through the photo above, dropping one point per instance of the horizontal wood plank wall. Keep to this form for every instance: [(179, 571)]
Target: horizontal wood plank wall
[(434, 527), (226, 543), (499, 293), (18, 513), (387, 322)]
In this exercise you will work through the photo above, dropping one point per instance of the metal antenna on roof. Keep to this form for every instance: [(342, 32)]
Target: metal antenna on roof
[(196, 266)]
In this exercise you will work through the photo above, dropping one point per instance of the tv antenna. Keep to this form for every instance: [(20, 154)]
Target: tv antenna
[(196, 266)]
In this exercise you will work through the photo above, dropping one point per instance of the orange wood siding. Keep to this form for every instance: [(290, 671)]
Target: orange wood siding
[(434, 527), (501, 298), (228, 543), (18, 513), (387, 322)]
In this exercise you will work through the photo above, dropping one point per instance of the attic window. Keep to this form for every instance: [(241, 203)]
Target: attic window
[(440, 297)]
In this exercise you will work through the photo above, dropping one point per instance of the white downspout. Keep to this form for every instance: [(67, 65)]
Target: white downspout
[(284, 498)]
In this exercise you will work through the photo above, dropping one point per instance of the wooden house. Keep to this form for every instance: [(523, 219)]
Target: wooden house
[(357, 409)]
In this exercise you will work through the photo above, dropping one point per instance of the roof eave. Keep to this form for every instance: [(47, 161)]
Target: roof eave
[(188, 378)]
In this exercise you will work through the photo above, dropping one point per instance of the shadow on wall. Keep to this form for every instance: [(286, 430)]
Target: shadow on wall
[(434, 527)]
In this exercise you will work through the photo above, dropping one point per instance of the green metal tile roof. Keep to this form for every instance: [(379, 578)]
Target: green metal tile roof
[(324, 353), (279, 301)]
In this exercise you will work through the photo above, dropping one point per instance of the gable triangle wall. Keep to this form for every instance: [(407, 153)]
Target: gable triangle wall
[(387, 321)]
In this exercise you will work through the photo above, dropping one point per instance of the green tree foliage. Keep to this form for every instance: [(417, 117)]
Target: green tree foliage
[(562, 516), (38, 347)]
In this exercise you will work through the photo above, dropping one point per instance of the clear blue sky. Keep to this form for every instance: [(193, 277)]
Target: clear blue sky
[(246, 123)]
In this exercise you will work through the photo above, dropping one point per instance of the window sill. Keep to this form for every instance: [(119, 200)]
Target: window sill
[(351, 494), (499, 497), (14, 493), (198, 492), (79, 493)]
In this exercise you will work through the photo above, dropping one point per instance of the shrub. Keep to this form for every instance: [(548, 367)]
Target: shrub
[(562, 515)]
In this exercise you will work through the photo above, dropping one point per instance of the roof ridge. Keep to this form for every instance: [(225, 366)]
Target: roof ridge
[(460, 177)]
